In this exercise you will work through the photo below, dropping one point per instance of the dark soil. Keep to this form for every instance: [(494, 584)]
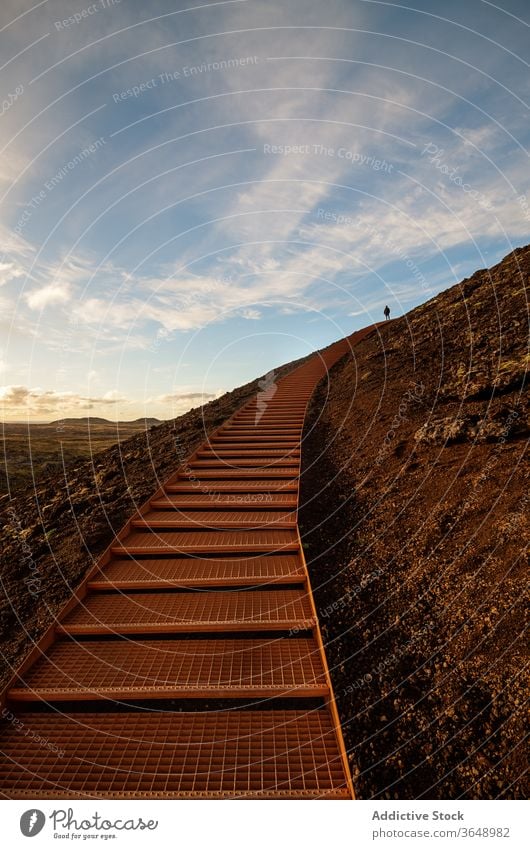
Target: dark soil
[(415, 522)]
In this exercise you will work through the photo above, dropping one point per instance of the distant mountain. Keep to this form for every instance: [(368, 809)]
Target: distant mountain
[(33, 449), (95, 420), (80, 420)]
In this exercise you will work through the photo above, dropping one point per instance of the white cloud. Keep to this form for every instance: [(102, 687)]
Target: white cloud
[(53, 293), (21, 399), (10, 271), (113, 396)]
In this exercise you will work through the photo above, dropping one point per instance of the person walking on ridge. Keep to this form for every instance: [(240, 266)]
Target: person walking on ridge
[(387, 313)]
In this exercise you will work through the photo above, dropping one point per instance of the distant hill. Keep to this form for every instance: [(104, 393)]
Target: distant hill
[(80, 420), (96, 420), (31, 451)]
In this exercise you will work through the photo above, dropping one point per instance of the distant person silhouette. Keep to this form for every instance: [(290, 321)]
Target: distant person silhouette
[(387, 313)]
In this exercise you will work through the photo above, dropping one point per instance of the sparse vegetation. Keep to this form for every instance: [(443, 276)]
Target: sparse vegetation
[(31, 451)]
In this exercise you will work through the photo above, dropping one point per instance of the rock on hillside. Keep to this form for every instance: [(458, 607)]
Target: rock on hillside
[(416, 528)]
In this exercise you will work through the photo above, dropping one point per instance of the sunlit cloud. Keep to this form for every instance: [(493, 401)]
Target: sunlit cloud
[(21, 399)]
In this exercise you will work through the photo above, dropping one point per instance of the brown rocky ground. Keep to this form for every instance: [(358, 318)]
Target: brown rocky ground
[(415, 525), (52, 533)]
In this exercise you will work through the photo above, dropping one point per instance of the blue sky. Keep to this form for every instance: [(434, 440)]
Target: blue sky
[(194, 193)]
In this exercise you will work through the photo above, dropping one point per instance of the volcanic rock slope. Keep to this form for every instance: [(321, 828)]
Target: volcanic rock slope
[(415, 523), (415, 526)]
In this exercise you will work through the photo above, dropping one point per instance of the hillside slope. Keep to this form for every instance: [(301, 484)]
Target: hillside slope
[(415, 496), (415, 526)]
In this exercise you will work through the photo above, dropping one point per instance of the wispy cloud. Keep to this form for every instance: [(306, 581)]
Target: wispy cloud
[(200, 209), (183, 398), (10, 271)]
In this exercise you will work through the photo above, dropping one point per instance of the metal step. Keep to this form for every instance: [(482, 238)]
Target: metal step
[(153, 755), (254, 439), (207, 542), (211, 469), (199, 572), (242, 453), (239, 484), (167, 669), (190, 612), (225, 501), (216, 519), (255, 463)]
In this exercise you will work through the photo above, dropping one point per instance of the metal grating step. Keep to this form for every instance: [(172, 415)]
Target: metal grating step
[(162, 669), (237, 485), (261, 430), (254, 448), (256, 418), (255, 439), (257, 463), (183, 542), (241, 452), (205, 519), (223, 473), (152, 613), (199, 572), (224, 500), (234, 754)]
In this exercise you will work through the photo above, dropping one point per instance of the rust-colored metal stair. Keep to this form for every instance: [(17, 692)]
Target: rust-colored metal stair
[(189, 664)]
